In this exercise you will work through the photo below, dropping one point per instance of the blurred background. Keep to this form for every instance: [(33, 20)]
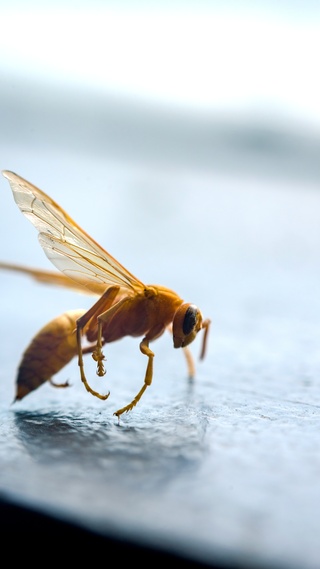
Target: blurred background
[(184, 136), (222, 86), (164, 116)]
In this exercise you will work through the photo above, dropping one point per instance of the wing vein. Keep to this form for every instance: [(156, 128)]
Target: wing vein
[(67, 245)]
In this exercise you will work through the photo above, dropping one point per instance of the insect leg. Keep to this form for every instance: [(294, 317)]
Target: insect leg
[(190, 362), (188, 356), (54, 384), (205, 325), (99, 307), (144, 348)]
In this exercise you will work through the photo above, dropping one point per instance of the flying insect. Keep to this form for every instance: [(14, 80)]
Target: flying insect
[(125, 305)]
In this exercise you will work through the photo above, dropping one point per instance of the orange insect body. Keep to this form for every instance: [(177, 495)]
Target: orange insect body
[(51, 349), (126, 307)]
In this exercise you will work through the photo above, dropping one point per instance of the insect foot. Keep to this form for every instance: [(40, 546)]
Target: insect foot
[(132, 404), (98, 357)]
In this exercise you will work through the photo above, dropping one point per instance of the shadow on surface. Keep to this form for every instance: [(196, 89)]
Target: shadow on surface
[(148, 454)]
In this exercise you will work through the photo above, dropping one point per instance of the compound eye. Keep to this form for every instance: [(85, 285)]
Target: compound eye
[(190, 319), (186, 324)]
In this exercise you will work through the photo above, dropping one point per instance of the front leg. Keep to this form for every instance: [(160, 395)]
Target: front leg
[(97, 353), (104, 302), (144, 348), (205, 325)]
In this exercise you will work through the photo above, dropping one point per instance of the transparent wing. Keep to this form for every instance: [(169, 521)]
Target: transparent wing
[(47, 277), (68, 246)]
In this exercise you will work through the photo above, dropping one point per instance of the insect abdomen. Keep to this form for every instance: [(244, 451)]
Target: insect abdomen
[(50, 350)]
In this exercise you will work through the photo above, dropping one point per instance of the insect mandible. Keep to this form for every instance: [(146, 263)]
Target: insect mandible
[(125, 307)]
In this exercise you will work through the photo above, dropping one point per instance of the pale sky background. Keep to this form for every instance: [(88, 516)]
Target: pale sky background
[(220, 56)]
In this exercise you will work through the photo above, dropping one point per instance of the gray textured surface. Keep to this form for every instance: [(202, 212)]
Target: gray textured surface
[(229, 464)]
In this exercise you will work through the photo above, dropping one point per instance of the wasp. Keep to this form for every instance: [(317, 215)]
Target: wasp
[(125, 305)]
